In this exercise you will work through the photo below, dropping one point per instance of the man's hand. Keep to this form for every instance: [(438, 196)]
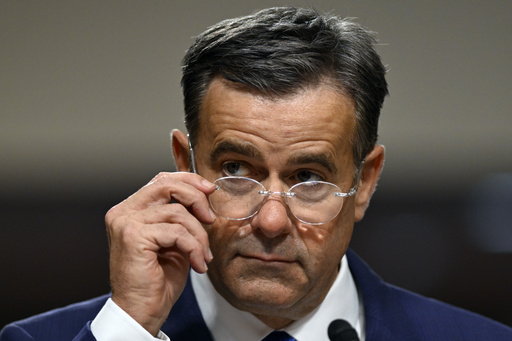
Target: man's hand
[(154, 237)]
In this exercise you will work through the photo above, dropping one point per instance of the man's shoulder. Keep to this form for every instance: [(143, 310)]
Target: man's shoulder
[(432, 318), (58, 324), (404, 315)]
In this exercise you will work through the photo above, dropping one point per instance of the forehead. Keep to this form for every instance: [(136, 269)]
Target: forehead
[(313, 118)]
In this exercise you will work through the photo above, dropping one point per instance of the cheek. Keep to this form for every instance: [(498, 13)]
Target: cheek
[(215, 236), (221, 235), (328, 243)]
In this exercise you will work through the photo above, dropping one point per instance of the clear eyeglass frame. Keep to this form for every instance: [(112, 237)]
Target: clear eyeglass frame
[(337, 196), (311, 202)]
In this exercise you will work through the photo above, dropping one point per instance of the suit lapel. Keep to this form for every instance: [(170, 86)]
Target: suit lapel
[(185, 321), (385, 316)]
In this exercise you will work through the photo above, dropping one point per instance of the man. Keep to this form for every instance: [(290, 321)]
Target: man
[(282, 110)]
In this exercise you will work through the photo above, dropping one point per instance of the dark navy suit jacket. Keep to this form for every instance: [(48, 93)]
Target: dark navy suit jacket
[(390, 313)]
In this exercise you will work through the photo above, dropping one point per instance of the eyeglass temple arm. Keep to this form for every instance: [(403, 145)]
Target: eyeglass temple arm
[(192, 158)]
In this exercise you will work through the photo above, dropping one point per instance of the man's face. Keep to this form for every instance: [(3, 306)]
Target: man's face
[(272, 264)]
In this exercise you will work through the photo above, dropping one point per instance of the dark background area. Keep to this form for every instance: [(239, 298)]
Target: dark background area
[(90, 90)]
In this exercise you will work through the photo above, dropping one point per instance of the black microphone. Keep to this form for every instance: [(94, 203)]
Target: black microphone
[(341, 330)]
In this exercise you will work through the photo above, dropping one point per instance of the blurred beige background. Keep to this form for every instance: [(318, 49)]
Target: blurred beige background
[(89, 91)]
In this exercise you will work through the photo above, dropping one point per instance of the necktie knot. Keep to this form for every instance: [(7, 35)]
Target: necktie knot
[(278, 335)]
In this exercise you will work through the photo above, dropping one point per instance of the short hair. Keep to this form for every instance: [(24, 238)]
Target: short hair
[(278, 51)]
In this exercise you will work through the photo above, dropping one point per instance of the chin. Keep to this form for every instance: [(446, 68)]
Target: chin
[(261, 296)]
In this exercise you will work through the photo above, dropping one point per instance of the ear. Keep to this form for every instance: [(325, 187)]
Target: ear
[(180, 151), (370, 174)]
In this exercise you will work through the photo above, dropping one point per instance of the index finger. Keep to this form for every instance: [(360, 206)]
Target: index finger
[(188, 189)]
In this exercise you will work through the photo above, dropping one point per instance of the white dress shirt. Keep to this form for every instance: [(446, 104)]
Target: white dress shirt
[(227, 323)]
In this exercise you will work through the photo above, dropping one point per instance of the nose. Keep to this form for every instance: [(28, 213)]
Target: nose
[(273, 219)]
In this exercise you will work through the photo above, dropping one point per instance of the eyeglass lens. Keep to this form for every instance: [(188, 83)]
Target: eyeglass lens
[(239, 198)]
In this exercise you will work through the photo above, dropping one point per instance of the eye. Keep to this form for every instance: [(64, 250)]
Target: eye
[(232, 168), (304, 176)]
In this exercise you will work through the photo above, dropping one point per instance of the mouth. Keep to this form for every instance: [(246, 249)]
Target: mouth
[(268, 258)]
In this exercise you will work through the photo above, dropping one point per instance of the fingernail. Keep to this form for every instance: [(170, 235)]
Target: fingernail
[(210, 255)]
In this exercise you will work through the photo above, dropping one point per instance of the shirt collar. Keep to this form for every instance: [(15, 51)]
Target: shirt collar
[(225, 322)]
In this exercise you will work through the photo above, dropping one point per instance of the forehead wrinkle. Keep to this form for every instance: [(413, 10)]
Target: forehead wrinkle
[(237, 147), (324, 159)]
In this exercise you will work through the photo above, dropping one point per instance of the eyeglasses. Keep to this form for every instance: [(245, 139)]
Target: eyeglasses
[(240, 198), (312, 202)]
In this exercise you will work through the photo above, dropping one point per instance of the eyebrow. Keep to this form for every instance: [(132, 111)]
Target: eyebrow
[(326, 160), (237, 147), (323, 159)]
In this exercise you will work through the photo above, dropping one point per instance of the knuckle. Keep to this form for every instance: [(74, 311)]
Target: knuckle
[(162, 175), (179, 230), (178, 210), (163, 178), (180, 214), (111, 215), (117, 211), (158, 179), (121, 227), (128, 231), (126, 235)]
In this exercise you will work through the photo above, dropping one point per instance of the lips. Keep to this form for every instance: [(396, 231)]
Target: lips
[(269, 258)]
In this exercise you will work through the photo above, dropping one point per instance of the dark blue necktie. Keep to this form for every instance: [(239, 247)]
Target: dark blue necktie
[(278, 336)]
